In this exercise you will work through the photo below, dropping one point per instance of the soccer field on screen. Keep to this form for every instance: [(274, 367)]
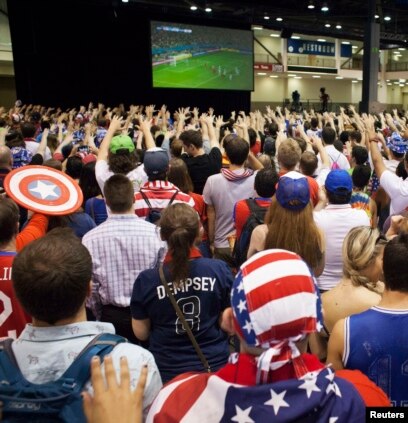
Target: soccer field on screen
[(221, 70)]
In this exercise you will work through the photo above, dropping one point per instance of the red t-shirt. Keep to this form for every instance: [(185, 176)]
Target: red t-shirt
[(256, 148), (12, 316), (242, 212), (201, 208)]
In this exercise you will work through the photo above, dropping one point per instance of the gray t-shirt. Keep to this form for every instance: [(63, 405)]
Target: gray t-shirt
[(222, 191)]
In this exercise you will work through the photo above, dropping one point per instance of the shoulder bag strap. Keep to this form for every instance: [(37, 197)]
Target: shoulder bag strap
[(183, 321), (173, 198)]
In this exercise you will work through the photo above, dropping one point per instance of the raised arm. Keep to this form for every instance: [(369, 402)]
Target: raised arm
[(116, 124)]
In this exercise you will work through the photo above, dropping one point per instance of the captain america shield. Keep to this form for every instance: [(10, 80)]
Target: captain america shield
[(43, 190)]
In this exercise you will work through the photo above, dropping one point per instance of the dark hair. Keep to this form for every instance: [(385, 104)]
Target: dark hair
[(74, 167), (395, 263), (9, 217), (87, 182), (179, 176), (192, 137), (236, 149), (45, 124), (52, 142), (344, 136), (51, 276), (342, 196), (15, 139), (397, 155), (123, 162), (53, 164), (361, 176), (359, 154), (27, 130), (119, 193), (179, 227), (338, 145), (400, 171), (314, 122), (328, 135), (356, 135), (265, 182), (252, 136), (101, 122), (308, 163)]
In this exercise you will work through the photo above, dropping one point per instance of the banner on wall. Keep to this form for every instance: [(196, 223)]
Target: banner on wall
[(269, 67), (317, 48)]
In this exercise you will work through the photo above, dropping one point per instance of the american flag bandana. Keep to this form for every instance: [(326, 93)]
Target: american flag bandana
[(276, 303)]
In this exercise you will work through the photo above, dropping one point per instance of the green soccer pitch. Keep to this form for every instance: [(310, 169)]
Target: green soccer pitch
[(222, 70)]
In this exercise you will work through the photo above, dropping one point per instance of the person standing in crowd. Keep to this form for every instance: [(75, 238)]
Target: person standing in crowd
[(324, 99), (201, 287), (272, 378), (375, 341), (121, 247)]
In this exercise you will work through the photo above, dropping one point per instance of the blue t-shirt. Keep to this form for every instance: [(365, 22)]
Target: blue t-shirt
[(80, 223), (377, 345), (96, 208), (203, 296)]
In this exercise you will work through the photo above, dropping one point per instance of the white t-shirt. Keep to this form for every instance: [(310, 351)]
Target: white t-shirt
[(335, 221), (334, 156), (32, 147), (397, 189), (137, 176)]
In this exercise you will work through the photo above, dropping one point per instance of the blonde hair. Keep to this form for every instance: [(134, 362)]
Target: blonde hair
[(294, 231), (360, 249), (289, 153)]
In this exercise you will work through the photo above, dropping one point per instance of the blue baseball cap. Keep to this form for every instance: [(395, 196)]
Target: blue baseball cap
[(338, 179), (293, 191)]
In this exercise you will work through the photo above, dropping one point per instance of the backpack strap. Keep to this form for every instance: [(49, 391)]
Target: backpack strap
[(79, 372), (9, 370), (173, 198), (254, 208), (146, 199)]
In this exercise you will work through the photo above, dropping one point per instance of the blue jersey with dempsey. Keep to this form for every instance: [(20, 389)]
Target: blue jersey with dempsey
[(376, 343), (202, 297)]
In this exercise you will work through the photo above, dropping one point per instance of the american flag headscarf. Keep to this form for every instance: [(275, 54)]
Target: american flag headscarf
[(276, 303)]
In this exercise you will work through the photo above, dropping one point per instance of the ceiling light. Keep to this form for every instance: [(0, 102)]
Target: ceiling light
[(274, 35), (389, 83), (311, 5), (354, 82), (402, 48), (346, 43), (401, 85), (295, 37), (298, 77), (402, 80), (257, 28), (261, 73), (388, 80), (125, 1), (279, 19), (266, 17), (316, 76), (354, 46), (273, 76), (387, 18), (339, 77), (396, 83), (376, 16), (321, 40), (193, 8), (291, 74), (324, 7), (338, 26), (327, 25), (208, 9)]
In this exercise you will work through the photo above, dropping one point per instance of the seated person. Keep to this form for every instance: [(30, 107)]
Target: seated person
[(272, 378)]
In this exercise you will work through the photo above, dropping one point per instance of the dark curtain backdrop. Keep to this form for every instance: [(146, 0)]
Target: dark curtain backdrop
[(68, 53)]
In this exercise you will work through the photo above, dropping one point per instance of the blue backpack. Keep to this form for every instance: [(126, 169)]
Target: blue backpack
[(58, 401), (154, 214)]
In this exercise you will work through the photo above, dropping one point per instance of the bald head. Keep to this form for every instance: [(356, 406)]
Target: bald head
[(6, 158)]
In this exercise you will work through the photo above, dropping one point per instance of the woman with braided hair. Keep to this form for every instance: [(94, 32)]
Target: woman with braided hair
[(360, 287)]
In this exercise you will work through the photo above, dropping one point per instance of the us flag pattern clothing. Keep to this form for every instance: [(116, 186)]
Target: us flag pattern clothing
[(317, 397)]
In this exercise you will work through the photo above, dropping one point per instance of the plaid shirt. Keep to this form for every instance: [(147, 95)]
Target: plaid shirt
[(121, 248)]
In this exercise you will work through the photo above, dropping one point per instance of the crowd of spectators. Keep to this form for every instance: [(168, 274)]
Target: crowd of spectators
[(318, 302)]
